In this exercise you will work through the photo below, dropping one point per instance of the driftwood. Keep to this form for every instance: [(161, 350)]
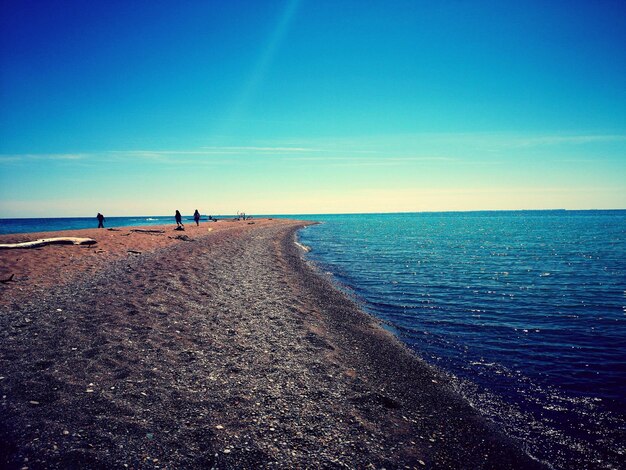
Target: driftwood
[(49, 241), (9, 279), (135, 252), (141, 230)]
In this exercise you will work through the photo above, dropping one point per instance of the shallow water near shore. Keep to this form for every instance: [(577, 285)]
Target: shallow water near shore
[(527, 310)]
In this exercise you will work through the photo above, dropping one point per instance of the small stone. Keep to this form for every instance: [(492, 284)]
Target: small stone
[(226, 451), (421, 462), (150, 436), (219, 426), (59, 309), (66, 432), (89, 390), (33, 402)]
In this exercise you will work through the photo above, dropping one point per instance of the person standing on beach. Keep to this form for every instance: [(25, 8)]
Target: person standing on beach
[(196, 217), (179, 220), (100, 218)]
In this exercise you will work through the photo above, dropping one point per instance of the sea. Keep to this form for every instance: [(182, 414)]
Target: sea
[(77, 223), (524, 310)]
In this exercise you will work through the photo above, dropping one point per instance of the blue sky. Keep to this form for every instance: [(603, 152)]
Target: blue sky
[(296, 106)]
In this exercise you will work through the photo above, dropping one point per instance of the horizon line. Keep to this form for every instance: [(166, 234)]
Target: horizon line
[(337, 213)]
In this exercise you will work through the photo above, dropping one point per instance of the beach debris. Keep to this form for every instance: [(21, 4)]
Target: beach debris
[(184, 238), (180, 229), (8, 279), (141, 230), (134, 252), (114, 230), (303, 247), (48, 241)]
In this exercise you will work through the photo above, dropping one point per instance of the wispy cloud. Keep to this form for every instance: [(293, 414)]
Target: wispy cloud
[(263, 149), (210, 156), (31, 157), (378, 160), (569, 139), (228, 154)]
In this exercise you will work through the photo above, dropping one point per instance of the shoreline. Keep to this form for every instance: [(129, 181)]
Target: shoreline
[(229, 350)]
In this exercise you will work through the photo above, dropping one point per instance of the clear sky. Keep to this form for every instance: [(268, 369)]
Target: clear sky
[(302, 106)]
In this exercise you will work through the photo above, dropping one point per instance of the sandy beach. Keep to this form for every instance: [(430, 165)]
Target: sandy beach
[(223, 350)]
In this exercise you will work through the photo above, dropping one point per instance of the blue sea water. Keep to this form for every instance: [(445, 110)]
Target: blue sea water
[(77, 223), (525, 310)]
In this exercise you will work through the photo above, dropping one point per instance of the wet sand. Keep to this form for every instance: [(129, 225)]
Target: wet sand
[(227, 351)]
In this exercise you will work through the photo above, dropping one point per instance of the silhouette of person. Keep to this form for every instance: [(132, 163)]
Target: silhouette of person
[(179, 219), (101, 219), (196, 217)]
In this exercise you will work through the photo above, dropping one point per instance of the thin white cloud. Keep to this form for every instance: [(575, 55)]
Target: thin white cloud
[(571, 139), (38, 157), (167, 152), (344, 161), (265, 149)]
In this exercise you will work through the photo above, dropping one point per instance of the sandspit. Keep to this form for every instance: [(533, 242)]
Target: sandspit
[(221, 349)]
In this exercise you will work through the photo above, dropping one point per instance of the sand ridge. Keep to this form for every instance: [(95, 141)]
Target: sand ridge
[(229, 352)]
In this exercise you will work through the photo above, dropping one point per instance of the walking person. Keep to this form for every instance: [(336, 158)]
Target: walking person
[(179, 220), (101, 219), (196, 217)]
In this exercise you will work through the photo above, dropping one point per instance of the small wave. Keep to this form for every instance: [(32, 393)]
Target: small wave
[(150, 218)]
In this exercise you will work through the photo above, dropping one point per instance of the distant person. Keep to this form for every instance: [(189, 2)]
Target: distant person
[(196, 217), (101, 219), (179, 220)]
